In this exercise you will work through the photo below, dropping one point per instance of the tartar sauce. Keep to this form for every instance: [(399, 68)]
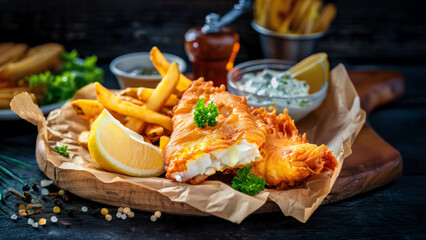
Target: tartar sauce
[(278, 84)]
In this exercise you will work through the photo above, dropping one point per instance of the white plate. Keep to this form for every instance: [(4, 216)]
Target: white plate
[(9, 115)]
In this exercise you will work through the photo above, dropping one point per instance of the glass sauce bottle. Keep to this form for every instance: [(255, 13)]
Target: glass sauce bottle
[(212, 54)]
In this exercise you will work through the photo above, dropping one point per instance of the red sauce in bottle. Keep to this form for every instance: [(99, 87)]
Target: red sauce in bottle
[(212, 54)]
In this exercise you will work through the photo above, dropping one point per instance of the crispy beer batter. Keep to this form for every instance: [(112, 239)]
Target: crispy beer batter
[(194, 153), (287, 157)]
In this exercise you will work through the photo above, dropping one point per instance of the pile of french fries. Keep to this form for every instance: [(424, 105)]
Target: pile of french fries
[(146, 111), (294, 16), (18, 61)]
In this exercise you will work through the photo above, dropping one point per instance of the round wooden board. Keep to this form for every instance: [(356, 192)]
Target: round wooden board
[(373, 163), (85, 185)]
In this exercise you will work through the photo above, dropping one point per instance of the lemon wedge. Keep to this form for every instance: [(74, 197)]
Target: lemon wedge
[(313, 69), (118, 149)]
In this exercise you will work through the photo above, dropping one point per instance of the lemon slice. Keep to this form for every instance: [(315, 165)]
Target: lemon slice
[(313, 69), (118, 149)]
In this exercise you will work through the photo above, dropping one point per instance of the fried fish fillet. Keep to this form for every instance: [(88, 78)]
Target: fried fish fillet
[(287, 158), (193, 153)]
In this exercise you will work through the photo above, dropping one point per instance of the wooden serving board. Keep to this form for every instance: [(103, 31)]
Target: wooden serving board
[(373, 162)]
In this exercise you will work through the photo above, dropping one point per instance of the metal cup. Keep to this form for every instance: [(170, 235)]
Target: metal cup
[(293, 47)]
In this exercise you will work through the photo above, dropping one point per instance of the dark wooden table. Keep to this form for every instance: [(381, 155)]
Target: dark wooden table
[(395, 211)]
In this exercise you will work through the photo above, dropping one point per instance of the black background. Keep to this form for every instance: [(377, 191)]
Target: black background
[(366, 34)]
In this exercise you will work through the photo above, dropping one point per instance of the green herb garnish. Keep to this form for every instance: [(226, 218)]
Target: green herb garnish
[(62, 150), (203, 115), (247, 182), (75, 74)]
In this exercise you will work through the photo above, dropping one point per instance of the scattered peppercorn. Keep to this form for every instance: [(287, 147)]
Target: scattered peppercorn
[(45, 192), (65, 198), (42, 221), (35, 188), (108, 217), (22, 212), (54, 219), (26, 187), (84, 209), (61, 192), (126, 210), (118, 215), (131, 214), (157, 214), (123, 216), (153, 218), (56, 209), (120, 210), (57, 202), (104, 211)]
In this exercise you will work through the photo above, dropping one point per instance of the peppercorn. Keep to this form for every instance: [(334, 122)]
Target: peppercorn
[(157, 214), (35, 188), (65, 198), (131, 214), (104, 211), (56, 209), (84, 209), (26, 187), (42, 221), (61, 192), (153, 218), (126, 210), (57, 202), (120, 210), (108, 217), (54, 219)]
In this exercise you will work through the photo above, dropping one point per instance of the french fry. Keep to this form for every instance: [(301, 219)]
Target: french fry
[(5, 47), (131, 100), (308, 19), (83, 139), (301, 12), (154, 132), (135, 125), (145, 93), (41, 61), (328, 13), (164, 140), (164, 89), (86, 108), (13, 54), (92, 121), (161, 64), (110, 101)]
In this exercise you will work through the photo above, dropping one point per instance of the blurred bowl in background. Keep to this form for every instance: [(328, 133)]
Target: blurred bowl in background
[(137, 70), (294, 47), (296, 110)]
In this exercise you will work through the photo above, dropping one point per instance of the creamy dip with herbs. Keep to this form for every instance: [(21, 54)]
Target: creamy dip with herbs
[(273, 86)]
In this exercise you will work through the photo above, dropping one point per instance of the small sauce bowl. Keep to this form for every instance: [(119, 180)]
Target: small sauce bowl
[(311, 101), (135, 69)]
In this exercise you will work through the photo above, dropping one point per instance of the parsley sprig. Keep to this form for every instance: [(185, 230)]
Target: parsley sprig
[(247, 182), (62, 150), (203, 115)]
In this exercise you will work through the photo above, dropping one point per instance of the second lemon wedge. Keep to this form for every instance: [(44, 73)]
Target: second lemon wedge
[(118, 149), (313, 69)]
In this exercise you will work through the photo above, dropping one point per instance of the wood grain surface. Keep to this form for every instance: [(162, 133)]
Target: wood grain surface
[(372, 164)]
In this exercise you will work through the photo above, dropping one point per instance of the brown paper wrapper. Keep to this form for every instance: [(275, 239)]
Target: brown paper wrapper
[(335, 123)]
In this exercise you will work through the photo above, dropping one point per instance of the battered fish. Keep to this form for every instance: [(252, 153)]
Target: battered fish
[(287, 158), (193, 153)]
